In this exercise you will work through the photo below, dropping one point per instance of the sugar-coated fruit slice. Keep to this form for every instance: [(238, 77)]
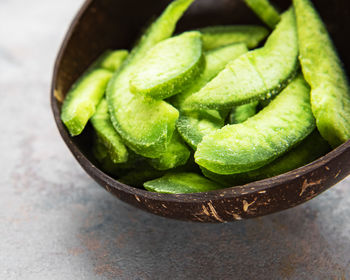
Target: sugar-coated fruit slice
[(106, 164), (256, 75), (193, 126), (146, 125), (105, 131), (322, 68), (312, 148), (144, 172), (241, 113), (176, 154), (170, 66), (265, 11), (178, 183), (283, 124), (111, 60), (216, 60), (214, 37), (83, 98), (138, 176)]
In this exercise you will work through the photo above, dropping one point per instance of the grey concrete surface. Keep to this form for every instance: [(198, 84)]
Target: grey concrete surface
[(56, 223)]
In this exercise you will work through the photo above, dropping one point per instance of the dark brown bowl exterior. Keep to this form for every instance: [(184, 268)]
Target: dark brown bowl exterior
[(103, 24)]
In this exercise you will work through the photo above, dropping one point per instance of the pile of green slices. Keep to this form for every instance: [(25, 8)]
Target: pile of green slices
[(212, 108)]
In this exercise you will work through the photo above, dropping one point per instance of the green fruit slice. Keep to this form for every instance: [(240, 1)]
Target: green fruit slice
[(82, 100), (216, 61), (178, 183), (261, 139), (214, 37), (169, 67), (111, 60), (145, 125), (137, 177), (242, 113), (312, 148), (322, 68), (102, 155), (145, 172), (193, 126), (104, 129), (265, 11), (176, 154), (256, 75)]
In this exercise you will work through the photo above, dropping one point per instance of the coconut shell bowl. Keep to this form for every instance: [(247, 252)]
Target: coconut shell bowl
[(116, 24)]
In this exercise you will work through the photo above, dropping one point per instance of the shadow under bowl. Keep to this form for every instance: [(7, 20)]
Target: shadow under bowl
[(113, 24)]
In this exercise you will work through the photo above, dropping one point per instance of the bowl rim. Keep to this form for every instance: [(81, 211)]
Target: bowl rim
[(204, 197)]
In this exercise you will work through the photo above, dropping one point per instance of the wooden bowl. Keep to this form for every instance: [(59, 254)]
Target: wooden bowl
[(103, 24)]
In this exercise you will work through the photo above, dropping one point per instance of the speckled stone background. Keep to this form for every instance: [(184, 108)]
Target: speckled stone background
[(56, 223)]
